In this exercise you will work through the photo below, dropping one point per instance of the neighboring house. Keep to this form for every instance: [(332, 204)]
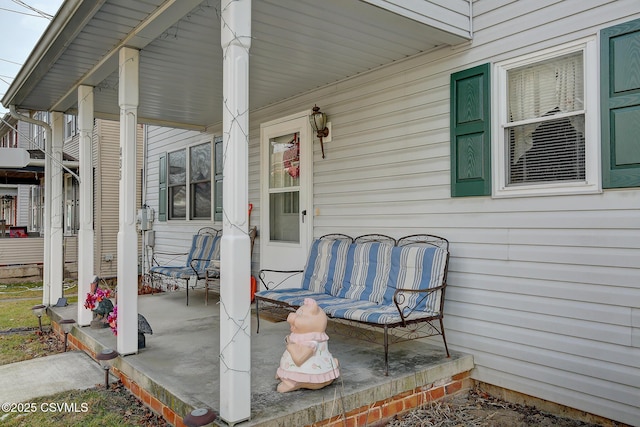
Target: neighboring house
[(517, 141), (19, 190), (22, 193)]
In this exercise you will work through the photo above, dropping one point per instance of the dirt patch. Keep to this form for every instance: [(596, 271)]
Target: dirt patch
[(478, 409)]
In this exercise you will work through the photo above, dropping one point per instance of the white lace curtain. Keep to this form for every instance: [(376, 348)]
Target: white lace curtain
[(543, 89)]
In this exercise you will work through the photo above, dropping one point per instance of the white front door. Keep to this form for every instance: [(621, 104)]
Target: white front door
[(286, 199)]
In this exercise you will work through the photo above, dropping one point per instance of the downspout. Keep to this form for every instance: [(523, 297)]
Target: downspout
[(48, 166), (143, 202)]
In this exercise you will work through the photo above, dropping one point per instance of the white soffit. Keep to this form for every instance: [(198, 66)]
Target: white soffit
[(297, 45)]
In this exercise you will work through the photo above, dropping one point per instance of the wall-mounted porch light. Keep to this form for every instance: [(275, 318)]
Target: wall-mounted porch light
[(318, 121), (106, 358), (66, 325), (38, 310)]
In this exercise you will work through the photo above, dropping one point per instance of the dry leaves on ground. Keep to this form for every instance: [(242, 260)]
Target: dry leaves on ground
[(478, 409)]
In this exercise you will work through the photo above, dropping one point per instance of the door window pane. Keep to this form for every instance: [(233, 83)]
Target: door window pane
[(284, 218), (284, 155)]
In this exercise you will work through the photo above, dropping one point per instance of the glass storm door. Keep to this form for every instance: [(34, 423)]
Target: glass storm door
[(286, 213)]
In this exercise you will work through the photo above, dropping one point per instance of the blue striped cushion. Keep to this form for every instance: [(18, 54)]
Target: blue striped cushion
[(294, 297), (367, 272), (367, 311), (416, 267), (325, 266), (215, 253), (202, 248), (175, 272)]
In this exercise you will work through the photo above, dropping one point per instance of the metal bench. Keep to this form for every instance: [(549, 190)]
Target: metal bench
[(373, 281)]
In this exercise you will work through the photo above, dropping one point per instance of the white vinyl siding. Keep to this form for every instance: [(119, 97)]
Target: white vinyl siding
[(106, 149), (171, 236), (31, 251), (544, 292)]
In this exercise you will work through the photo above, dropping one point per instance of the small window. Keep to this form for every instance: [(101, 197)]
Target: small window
[(200, 181), (544, 145), (70, 126), (177, 184)]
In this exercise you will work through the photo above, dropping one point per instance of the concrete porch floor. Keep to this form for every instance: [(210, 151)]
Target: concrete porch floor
[(180, 368)]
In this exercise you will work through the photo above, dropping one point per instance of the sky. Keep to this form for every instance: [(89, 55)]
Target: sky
[(20, 30)]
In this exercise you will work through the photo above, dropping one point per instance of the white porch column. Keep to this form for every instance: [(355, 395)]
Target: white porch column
[(57, 200), (127, 236), (85, 234), (46, 220), (235, 306)]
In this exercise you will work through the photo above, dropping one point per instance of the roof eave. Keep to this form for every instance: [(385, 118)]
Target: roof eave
[(70, 19)]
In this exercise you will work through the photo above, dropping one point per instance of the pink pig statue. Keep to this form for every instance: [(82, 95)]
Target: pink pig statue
[(307, 362)]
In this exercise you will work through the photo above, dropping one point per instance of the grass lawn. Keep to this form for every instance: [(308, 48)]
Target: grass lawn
[(94, 407), (21, 290), (20, 340)]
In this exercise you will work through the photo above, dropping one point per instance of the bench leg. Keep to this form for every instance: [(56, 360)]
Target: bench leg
[(187, 282), (386, 351), (257, 316), (443, 337)]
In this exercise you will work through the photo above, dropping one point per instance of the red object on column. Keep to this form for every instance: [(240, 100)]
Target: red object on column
[(254, 286)]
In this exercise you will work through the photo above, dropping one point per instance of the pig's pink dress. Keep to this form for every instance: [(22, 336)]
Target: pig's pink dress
[(319, 368)]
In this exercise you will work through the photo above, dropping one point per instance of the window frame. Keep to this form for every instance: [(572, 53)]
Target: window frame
[(592, 182), (188, 183)]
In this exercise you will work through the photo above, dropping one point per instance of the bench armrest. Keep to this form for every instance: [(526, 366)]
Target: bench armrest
[(399, 298), (175, 255), (195, 271), (281, 277)]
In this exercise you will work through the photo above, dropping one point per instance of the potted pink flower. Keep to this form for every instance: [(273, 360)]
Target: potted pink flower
[(99, 303), (143, 326)]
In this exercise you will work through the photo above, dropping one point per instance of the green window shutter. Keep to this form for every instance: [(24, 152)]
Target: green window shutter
[(162, 187), (217, 179), (620, 104), (471, 132)]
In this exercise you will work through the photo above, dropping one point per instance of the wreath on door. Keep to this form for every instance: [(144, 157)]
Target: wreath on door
[(291, 158)]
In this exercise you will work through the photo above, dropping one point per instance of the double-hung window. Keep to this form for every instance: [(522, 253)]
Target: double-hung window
[(545, 131), (190, 183), (533, 125)]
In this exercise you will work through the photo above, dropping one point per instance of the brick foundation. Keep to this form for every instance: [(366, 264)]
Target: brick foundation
[(379, 412), (143, 395), (370, 415)]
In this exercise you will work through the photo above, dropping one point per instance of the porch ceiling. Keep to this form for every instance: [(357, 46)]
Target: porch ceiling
[(297, 45)]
